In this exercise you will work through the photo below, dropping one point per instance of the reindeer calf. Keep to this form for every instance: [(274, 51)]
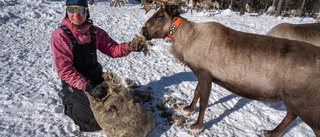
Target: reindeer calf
[(302, 32), (271, 10), (253, 66)]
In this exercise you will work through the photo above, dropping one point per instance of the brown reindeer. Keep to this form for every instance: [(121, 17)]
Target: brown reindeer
[(302, 32), (253, 66)]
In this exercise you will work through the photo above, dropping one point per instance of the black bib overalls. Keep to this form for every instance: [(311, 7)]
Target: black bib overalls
[(76, 103)]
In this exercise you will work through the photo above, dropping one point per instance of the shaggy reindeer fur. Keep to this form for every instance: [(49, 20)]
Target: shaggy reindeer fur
[(253, 66), (302, 32), (271, 10)]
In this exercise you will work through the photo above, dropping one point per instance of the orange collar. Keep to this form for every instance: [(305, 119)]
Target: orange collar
[(174, 27)]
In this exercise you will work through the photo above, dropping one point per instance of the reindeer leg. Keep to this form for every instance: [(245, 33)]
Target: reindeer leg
[(309, 118), (316, 131), (118, 3), (282, 126), (204, 89), (189, 110), (191, 10), (127, 3)]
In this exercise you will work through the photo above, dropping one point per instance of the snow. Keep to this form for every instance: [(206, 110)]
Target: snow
[(30, 106)]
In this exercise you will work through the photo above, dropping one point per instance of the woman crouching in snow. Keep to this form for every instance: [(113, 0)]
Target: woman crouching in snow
[(74, 46)]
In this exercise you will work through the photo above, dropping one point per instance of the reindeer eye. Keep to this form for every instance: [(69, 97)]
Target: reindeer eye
[(160, 16)]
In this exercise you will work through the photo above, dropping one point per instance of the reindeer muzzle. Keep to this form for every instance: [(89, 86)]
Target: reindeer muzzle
[(143, 31)]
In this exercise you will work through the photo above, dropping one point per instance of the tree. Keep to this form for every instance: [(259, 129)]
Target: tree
[(279, 8), (302, 6), (230, 6), (252, 2), (266, 7), (274, 2), (285, 7), (315, 8)]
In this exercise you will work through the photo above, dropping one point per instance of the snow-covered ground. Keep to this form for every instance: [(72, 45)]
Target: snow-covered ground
[(30, 106)]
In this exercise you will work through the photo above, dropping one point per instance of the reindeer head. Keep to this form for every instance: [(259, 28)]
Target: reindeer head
[(158, 25)]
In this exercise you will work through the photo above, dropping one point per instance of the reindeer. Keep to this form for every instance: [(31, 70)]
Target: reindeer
[(302, 32), (215, 5), (117, 2), (230, 7), (191, 4), (207, 4), (253, 66), (317, 20), (248, 9), (201, 5), (271, 10), (295, 12)]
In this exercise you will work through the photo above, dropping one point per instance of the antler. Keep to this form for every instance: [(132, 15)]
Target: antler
[(147, 7), (163, 2)]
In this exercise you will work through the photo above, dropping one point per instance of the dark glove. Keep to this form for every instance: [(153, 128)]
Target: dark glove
[(97, 91), (138, 43)]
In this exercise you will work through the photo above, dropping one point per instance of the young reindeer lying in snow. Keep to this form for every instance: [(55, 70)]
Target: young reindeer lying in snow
[(302, 32), (253, 66)]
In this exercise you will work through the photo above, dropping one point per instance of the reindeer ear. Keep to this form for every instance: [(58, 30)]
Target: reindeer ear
[(173, 10)]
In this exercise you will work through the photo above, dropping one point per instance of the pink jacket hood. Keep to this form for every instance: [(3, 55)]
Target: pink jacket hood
[(62, 47)]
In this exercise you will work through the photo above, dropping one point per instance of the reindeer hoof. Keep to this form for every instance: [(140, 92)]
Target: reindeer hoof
[(194, 129), (265, 133), (185, 111)]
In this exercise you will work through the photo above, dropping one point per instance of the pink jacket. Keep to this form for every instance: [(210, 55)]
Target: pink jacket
[(61, 47)]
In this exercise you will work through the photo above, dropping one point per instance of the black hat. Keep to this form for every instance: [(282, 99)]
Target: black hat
[(77, 2)]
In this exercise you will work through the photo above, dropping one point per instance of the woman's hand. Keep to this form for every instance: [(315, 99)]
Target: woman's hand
[(97, 91), (138, 43)]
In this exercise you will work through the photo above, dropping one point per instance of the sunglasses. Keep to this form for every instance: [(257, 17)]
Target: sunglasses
[(79, 9)]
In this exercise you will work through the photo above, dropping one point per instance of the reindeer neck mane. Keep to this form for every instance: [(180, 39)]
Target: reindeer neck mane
[(183, 31), (181, 39)]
